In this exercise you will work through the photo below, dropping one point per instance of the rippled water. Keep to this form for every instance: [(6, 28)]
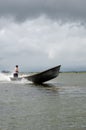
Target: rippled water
[(60, 104)]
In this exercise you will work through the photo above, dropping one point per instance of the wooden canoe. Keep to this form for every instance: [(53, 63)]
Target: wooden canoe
[(44, 76)]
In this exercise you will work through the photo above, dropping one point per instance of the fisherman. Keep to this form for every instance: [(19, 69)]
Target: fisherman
[(16, 71)]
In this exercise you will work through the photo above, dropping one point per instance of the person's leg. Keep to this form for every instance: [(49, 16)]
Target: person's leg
[(15, 75)]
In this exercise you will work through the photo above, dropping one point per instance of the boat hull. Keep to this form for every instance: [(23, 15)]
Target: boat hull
[(16, 78), (42, 77), (45, 75)]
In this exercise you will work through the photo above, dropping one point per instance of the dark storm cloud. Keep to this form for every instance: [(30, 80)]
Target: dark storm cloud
[(54, 9)]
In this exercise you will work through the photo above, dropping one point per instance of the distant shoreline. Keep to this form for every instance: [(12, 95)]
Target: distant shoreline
[(5, 71), (72, 72)]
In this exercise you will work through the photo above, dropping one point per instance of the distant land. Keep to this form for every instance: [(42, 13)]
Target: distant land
[(5, 71), (62, 70), (73, 71)]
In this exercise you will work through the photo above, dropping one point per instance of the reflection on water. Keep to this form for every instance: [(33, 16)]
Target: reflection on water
[(57, 105)]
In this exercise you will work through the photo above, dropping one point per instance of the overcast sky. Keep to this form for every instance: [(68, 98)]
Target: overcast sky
[(39, 34)]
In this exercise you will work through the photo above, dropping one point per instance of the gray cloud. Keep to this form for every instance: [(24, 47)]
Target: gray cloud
[(39, 40), (65, 10), (37, 43)]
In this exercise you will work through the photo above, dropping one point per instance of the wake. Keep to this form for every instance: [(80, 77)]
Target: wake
[(6, 78)]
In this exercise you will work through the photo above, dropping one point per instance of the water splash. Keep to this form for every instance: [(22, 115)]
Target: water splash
[(4, 77)]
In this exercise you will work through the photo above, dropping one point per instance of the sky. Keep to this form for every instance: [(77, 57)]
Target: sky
[(40, 34)]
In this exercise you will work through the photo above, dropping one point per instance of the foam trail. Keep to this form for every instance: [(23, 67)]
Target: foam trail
[(25, 81), (4, 77)]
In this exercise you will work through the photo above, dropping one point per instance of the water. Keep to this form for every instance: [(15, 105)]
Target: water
[(60, 104)]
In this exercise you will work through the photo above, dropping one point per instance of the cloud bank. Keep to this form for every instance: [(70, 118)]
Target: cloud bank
[(64, 10), (40, 43), (43, 33)]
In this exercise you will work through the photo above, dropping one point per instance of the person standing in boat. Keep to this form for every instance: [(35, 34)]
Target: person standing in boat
[(16, 71)]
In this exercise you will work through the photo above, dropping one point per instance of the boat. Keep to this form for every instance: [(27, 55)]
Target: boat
[(16, 78), (44, 76), (41, 77)]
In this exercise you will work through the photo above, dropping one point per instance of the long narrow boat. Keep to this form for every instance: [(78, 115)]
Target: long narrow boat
[(44, 76), (41, 77)]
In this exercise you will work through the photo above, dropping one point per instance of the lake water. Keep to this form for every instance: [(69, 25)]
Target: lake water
[(60, 104)]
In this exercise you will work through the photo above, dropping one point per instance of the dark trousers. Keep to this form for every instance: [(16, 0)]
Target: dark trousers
[(15, 74)]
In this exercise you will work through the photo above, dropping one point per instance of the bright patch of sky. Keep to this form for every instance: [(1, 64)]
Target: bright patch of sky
[(40, 43)]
